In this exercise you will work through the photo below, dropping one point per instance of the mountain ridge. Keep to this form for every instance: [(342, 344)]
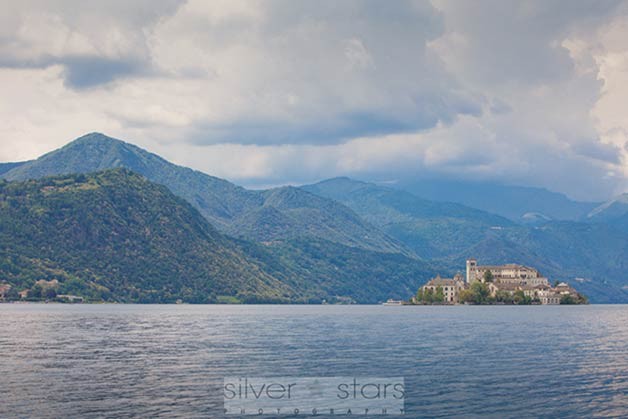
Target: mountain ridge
[(113, 235), (513, 201), (418, 223), (447, 234), (299, 231), (610, 210), (224, 204)]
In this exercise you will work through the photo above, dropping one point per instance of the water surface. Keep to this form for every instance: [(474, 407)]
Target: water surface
[(169, 361)]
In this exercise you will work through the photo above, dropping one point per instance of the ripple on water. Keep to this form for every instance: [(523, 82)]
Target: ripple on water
[(169, 361)]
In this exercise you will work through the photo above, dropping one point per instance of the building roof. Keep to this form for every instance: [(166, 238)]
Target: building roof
[(507, 266), (509, 286), (443, 282), (506, 286)]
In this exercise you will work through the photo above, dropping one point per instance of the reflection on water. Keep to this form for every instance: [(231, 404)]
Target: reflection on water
[(169, 361)]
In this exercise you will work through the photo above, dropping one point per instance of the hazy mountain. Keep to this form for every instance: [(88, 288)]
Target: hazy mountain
[(597, 254), (449, 233), (612, 210), (290, 212), (534, 218), (5, 167), (431, 229), (230, 208), (512, 202), (114, 235)]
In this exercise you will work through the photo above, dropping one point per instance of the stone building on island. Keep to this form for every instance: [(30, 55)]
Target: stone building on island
[(510, 273), (500, 280), (451, 287)]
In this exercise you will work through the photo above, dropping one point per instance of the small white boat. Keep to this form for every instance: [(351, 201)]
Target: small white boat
[(392, 302)]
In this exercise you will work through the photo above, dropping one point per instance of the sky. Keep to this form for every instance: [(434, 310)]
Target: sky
[(272, 92)]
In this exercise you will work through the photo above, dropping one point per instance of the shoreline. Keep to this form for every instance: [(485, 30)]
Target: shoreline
[(294, 304)]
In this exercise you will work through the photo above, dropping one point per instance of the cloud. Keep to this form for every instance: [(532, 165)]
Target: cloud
[(277, 91), (95, 43), (312, 73)]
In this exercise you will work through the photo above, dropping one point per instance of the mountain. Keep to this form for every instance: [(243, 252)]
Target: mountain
[(336, 240), (5, 167), (290, 212), (343, 273), (611, 210), (431, 229), (217, 199), (449, 233), (591, 257), (116, 236), (258, 215), (512, 202)]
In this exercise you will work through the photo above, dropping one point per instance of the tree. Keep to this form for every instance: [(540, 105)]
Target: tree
[(478, 293), (567, 299), (439, 295), (35, 292), (12, 295), (420, 295), (520, 298), (466, 296), (503, 297), (481, 292), (488, 276), (428, 296), (49, 293)]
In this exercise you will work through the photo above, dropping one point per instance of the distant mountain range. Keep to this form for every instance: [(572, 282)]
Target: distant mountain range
[(339, 239), (614, 209), (518, 203), (431, 229), (449, 233)]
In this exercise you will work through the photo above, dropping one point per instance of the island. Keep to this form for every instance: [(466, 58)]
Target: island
[(496, 284)]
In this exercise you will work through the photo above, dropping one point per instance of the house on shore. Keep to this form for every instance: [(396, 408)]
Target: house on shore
[(4, 291)]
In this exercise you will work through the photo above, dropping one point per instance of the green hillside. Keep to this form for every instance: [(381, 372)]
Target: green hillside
[(115, 236), (228, 207), (319, 241), (430, 229), (218, 200), (288, 213)]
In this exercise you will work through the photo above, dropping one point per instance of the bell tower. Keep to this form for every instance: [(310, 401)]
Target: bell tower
[(471, 265)]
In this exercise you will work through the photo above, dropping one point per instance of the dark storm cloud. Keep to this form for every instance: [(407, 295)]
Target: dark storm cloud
[(88, 71)]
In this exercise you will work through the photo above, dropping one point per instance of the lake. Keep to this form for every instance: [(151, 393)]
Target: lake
[(170, 360)]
